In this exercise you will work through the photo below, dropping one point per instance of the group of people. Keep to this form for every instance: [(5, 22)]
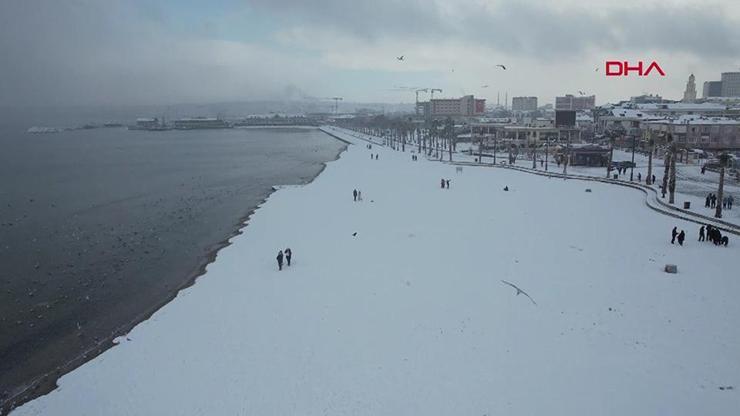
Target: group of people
[(444, 183), (373, 156), (711, 201), (714, 235), (414, 158), (676, 235), (356, 195), (287, 254)]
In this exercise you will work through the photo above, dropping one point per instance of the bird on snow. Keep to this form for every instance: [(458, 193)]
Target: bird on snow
[(400, 58), (519, 291), (501, 66)]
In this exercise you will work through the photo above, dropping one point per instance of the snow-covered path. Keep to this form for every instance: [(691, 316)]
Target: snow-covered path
[(410, 315)]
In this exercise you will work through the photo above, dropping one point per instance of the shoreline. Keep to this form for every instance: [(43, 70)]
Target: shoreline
[(47, 382)]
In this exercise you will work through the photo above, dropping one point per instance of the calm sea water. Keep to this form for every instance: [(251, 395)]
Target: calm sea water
[(98, 227)]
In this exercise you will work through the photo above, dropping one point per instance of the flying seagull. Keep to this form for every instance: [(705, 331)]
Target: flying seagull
[(519, 291), (501, 66), (400, 58)]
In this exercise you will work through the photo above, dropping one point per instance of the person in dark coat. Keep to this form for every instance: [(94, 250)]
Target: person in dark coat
[(506, 188), (639, 177), (288, 255), (442, 183), (701, 233), (674, 233), (280, 260), (715, 236), (653, 181), (725, 241), (447, 182), (713, 201), (730, 201), (681, 237), (708, 201), (354, 195)]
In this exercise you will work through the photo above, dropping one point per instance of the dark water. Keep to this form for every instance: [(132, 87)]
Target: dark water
[(99, 227)]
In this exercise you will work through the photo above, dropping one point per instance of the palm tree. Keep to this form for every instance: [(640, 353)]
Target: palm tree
[(651, 149), (667, 163), (611, 156), (672, 181), (723, 159)]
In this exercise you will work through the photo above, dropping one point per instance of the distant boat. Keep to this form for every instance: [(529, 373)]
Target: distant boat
[(149, 124), (196, 123)]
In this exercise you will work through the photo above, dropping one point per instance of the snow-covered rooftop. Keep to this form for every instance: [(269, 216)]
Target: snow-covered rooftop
[(696, 119)]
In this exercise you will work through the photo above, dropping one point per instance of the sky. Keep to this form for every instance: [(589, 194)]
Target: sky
[(116, 52)]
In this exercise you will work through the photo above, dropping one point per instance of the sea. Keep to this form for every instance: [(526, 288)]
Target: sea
[(100, 227)]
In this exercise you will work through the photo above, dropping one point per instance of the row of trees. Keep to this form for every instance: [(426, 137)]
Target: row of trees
[(437, 136)]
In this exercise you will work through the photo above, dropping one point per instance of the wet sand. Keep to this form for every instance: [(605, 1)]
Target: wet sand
[(98, 229)]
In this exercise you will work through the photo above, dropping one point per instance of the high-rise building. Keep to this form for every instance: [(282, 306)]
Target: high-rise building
[(570, 102), (524, 104), (712, 89), (731, 84), (689, 95), (454, 107)]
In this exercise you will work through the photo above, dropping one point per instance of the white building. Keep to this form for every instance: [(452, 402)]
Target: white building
[(524, 104), (730, 84)]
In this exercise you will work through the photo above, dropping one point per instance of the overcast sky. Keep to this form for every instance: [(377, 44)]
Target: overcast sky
[(78, 52)]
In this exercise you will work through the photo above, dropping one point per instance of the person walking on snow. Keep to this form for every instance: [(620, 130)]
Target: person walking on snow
[(708, 201), (280, 260), (442, 183), (288, 255), (359, 195), (674, 233), (354, 195), (681, 237), (639, 177), (448, 183), (701, 233), (730, 201)]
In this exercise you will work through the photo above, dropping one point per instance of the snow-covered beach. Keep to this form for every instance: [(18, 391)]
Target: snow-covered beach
[(396, 305)]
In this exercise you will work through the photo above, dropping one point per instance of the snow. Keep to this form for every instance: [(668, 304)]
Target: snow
[(410, 316)]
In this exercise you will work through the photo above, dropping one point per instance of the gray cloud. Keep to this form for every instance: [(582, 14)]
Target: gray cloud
[(524, 28), (117, 51)]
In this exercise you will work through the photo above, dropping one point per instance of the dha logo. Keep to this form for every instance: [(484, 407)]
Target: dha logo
[(623, 68)]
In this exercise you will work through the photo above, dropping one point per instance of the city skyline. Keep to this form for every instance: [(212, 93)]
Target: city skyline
[(165, 51)]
